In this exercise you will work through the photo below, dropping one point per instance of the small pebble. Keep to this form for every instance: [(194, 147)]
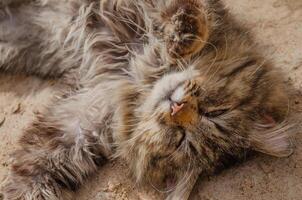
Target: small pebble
[(110, 187), (52, 82), (104, 196), (2, 120), (296, 68), (16, 108)]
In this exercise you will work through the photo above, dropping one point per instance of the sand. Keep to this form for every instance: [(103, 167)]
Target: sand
[(277, 27)]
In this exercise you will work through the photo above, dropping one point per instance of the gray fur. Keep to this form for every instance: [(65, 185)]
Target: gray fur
[(117, 68)]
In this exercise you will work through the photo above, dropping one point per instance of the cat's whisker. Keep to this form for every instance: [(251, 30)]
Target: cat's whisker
[(215, 51), (130, 65), (181, 185), (128, 21), (173, 155), (219, 66), (182, 63)]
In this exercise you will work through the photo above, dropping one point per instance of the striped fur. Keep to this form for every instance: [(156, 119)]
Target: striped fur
[(126, 62)]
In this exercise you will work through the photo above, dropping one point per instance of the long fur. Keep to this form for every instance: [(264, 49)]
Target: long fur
[(116, 58)]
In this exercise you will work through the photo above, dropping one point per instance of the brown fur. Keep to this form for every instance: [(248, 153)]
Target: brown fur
[(122, 85)]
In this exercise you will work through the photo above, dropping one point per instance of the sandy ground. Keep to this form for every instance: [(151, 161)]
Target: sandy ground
[(277, 26)]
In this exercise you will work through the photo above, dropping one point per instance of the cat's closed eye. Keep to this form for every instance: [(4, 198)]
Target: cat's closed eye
[(215, 113)]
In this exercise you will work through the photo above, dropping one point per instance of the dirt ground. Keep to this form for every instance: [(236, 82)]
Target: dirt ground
[(277, 27)]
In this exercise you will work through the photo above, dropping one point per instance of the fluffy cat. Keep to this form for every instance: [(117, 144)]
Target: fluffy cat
[(175, 88)]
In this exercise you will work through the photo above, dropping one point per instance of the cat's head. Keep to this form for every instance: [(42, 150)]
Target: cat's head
[(192, 118)]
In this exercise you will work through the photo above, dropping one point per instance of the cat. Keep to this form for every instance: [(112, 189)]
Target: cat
[(176, 89)]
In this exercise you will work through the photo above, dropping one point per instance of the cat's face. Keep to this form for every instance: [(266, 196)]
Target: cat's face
[(190, 119)]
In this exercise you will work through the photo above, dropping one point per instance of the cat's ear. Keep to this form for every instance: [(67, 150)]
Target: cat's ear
[(273, 138)]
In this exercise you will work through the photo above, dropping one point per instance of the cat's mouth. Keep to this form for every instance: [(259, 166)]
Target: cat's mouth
[(181, 137)]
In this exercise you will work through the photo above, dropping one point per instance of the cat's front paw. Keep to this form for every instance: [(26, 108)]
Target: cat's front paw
[(186, 29)]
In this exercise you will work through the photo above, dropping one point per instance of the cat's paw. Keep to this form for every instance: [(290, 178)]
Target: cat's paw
[(185, 29)]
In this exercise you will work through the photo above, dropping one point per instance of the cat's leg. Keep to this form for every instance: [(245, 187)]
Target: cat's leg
[(61, 149)]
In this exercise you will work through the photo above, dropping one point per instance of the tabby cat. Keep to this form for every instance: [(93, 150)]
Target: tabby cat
[(175, 88)]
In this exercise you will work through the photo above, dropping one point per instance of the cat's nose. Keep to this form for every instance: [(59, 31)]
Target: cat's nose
[(176, 107), (182, 113)]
